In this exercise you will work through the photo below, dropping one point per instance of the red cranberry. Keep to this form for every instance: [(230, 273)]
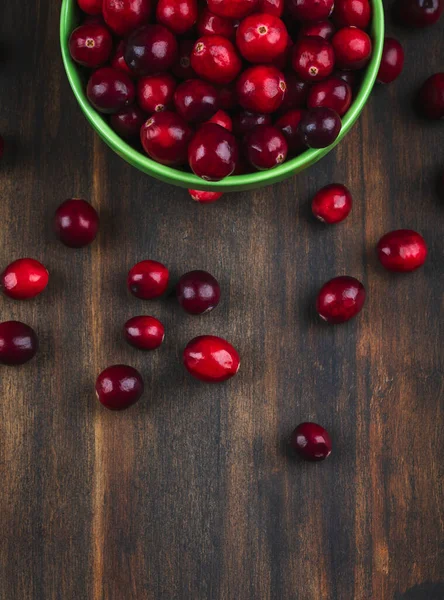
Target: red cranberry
[(283, 61), (125, 15), (392, 61), (265, 147), (246, 121), (165, 138), (211, 24), (261, 38), (213, 152), (128, 121), (215, 59), (349, 77), (24, 278), (417, 13), (118, 60), (198, 292), (352, 13), (148, 279), (228, 97), (145, 333), (119, 387), (76, 223), (319, 127), (90, 45), (110, 90), (182, 68), (340, 299), (311, 441), (323, 29), (91, 7), (211, 359), (289, 125), (332, 204), (151, 49), (271, 7), (261, 89), (232, 9), (196, 100), (352, 47), (313, 58), (178, 15), (431, 97), (333, 93), (296, 93), (402, 250), (18, 343), (155, 92), (310, 10), (205, 197), (223, 119)]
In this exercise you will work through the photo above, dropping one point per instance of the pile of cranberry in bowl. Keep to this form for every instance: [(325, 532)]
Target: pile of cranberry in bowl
[(224, 88)]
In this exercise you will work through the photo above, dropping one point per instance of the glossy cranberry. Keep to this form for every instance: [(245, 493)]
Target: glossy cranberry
[(182, 67), (198, 292), (91, 7), (352, 13), (288, 123), (261, 38), (402, 251), (332, 204), (18, 343), (215, 59), (431, 97), (352, 47), (323, 29), (261, 89), (148, 279), (144, 333), (246, 121), (265, 147), (178, 15), (310, 10), (223, 119), (205, 197), (90, 45), (128, 121), (333, 93), (196, 100), (350, 77), (392, 61), (123, 16), (211, 359), (119, 387), (340, 299), (271, 7), (319, 127), (228, 97), (296, 93), (118, 60), (313, 58), (213, 152), (417, 13), (24, 278), (233, 9), (76, 223), (211, 24), (311, 441), (165, 138), (110, 90), (151, 49), (155, 92)]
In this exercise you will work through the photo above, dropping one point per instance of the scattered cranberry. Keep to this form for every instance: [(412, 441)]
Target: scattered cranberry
[(313, 58), (145, 333), (323, 29), (332, 93), (288, 123), (311, 441), (213, 152), (232, 9), (110, 90), (90, 45), (91, 7), (205, 197), (18, 343), (296, 93), (261, 38), (211, 359), (340, 299), (223, 119), (417, 13), (178, 15), (215, 59), (118, 60), (76, 223), (165, 138), (392, 61), (151, 49), (320, 127), (402, 250), (125, 15), (265, 147), (128, 121), (119, 387), (155, 92), (246, 121), (148, 279), (431, 97), (211, 24), (352, 13), (271, 7), (352, 48), (198, 292), (24, 278), (311, 10), (332, 204), (261, 89), (196, 100)]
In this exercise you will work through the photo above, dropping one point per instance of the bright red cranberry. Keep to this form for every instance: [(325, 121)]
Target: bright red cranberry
[(182, 67), (417, 13), (148, 279), (296, 93), (288, 123), (205, 197), (265, 147), (431, 97), (91, 7), (151, 49), (333, 93), (311, 441), (246, 121), (198, 292), (178, 15), (118, 60), (90, 45), (122, 16), (319, 127), (392, 61), (352, 13), (223, 119), (18, 343), (332, 204), (110, 90), (211, 359), (165, 138), (128, 122), (352, 48), (24, 278), (403, 250), (261, 38), (323, 29), (233, 9), (215, 59), (155, 93), (340, 299), (119, 387), (271, 7), (144, 333), (196, 100), (261, 89), (211, 24), (228, 97), (313, 58), (213, 152), (310, 10), (76, 223), (350, 77)]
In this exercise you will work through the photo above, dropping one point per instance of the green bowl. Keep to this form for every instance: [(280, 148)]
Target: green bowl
[(68, 21)]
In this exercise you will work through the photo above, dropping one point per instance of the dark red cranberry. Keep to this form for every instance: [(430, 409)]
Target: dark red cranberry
[(123, 16), (261, 38), (211, 359), (332, 204), (182, 67), (91, 7), (90, 45), (323, 29), (110, 90), (198, 292), (333, 93), (215, 59), (18, 343), (144, 333), (271, 7), (288, 123), (403, 250), (311, 441), (119, 387), (392, 61), (223, 119), (246, 121), (233, 9), (431, 97), (319, 127), (151, 49), (296, 93), (128, 121), (352, 48), (76, 223), (148, 279), (205, 197), (310, 10), (265, 147), (213, 152), (228, 97), (165, 138), (118, 60), (211, 24), (261, 89), (24, 278), (349, 77), (352, 13), (155, 93), (417, 13), (313, 58), (340, 299), (178, 15), (196, 101)]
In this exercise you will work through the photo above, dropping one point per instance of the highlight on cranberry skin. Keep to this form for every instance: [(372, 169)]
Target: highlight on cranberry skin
[(76, 223), (402, 251), (24, 278), (148, 279), (18, 343), (118, 387), (340, 299), (211, 359), (144, 332), (311, 441), (205, 197), (332, 204), (198, 292)]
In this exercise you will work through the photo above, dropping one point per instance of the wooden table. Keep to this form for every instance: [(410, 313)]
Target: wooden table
[(190, 495)]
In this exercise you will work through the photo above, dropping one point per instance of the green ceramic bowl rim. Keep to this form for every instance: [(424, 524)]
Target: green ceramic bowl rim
[(189, 180)]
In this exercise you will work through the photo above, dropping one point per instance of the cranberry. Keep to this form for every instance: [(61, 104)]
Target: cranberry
[(228, 97), (178, 15), (392, 61), (402, 250), (349, 77), (151, 49), (76, 223), (119, 387), (211, 24), (283, 61), (261, 89), (340, 299), (296, 93), (155, 92), (288, 123), (319, 127), (323, 29), (271, 7), (182, 68), (90, 45), (352, 13), (213, 152), (215, 59), (24, 278), (261, 38), (18, 343), (91, 7), (145, 333), (311, 441), (165, 138), (128, 121), (353, 48), (246, 121), (196, 100), (310, 10), (232, 9), (148, 279), (211, 359), (205, 197), (123, 16), (313, 58), (223, 119), (417, 13), (265, 147), (198, 292), (332, 204), (333, 93), (431, 97), (118, 60), (110, 90)]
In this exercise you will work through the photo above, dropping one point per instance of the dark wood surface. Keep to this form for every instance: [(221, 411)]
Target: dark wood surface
[(190, 495)]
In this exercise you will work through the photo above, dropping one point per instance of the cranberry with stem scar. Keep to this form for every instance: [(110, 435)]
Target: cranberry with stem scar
[(261, 38), (148, 279), (265, 147), (90, 45), (402, 250), (76, 223), (18, 343), (165, 138), (213, 152), (215, 59), (110, 90), (118, 387), (311, 441), (144, 332), (392, 61), (313, 58), (211, 359), (261, 89), (332, 204), (155, 93), (340, 299), (24, 278), (198, 292)]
